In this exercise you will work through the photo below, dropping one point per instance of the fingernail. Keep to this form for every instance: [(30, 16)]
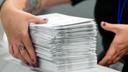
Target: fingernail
[(103, 23), (45, 19)]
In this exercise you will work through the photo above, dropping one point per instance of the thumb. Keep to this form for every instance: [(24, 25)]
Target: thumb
[(109, 27), (38, 20)]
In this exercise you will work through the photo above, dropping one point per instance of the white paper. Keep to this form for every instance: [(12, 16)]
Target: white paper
[(65, 43)]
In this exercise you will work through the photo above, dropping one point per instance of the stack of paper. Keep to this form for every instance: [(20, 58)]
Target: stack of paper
[(65, 43)]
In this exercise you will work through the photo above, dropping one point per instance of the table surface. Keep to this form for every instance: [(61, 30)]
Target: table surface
[(8, 64)]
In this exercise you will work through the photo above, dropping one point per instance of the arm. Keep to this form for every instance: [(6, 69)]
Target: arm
[(16, 19), (45, 4), (50, 3), (15, 22)]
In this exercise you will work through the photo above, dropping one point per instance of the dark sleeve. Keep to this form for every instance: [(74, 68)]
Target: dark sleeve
[(74, 2)]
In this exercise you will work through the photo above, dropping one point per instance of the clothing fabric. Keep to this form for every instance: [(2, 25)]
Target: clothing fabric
[(75, 2), (107, 10)]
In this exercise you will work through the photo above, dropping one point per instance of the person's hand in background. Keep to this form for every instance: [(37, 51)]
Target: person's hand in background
[(15, 22), (119, 45)]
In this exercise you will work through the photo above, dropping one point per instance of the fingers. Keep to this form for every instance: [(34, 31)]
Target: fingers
[(38, 20), (110, 27), (18, 51), (114, 54), (118, 56), (107, 59), (29, 48), (15, 52), (26, 56)]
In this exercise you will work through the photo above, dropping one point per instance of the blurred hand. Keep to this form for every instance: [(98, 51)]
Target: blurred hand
[(16, 22), (119, 45)]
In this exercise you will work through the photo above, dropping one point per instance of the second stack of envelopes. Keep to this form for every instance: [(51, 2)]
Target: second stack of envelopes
[(65, 43)]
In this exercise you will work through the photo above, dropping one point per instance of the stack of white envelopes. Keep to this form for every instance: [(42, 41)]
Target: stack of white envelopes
[(65, 43)]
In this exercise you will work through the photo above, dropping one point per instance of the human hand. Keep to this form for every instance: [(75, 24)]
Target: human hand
[(119, 45), (15, 22)]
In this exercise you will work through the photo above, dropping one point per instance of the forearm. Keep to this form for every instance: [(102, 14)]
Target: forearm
[(18, 4), (28, 6), (45, 4)]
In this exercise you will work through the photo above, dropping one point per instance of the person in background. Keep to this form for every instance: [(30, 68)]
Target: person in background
[(110, 15)]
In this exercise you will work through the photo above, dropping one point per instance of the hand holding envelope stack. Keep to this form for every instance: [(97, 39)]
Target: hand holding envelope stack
[(65, 43)]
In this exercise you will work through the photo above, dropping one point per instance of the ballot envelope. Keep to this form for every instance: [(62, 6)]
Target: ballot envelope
[(65, 44)]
